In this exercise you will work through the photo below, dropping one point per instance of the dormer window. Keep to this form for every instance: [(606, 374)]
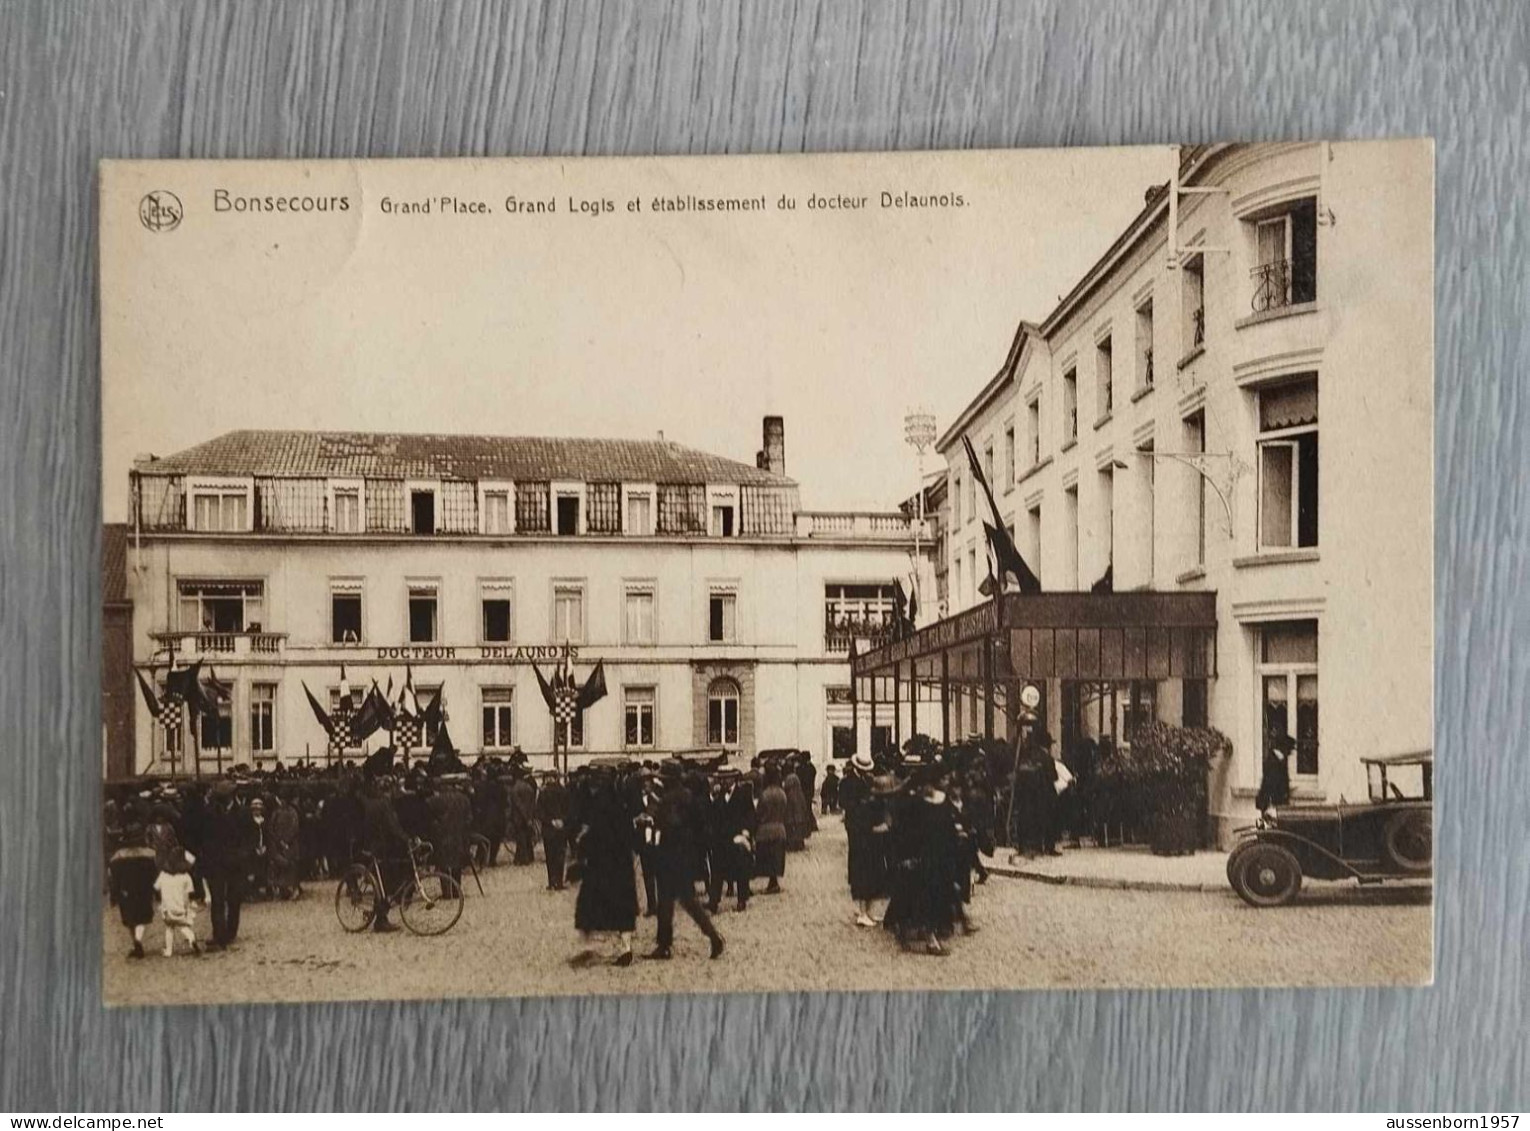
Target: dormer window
[(345, 506), (422, 508), (219, 505), (723, 505), (568, 514)]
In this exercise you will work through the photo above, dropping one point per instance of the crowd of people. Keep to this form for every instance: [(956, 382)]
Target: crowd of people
[(639, 839)]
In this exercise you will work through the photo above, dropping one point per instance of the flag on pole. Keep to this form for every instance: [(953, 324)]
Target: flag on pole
[(594, 689), (1004, 559)]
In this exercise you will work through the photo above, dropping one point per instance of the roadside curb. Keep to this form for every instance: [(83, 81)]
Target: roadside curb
[(1102, 881)]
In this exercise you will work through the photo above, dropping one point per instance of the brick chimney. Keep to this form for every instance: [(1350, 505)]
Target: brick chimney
[(773, 456)]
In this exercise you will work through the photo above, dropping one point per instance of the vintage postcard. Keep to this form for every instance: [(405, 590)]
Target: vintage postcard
[(921, 570)]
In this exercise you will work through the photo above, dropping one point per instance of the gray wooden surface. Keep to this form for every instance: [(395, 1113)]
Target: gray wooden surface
[(82, 80)]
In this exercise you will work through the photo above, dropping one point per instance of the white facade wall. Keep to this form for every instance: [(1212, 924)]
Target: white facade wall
[(779, 648), (1368, 582)]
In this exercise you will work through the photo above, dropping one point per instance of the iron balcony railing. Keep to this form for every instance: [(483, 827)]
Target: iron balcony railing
[(1281, 283)]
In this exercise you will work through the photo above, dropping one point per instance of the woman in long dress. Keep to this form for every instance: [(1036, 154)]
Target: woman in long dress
[(798, 812), (771, 813), (607, 901)]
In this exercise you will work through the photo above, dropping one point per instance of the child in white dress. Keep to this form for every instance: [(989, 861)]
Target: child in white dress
[(174, 888)]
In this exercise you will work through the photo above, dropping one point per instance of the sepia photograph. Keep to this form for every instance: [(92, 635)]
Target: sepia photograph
[(853, 572)]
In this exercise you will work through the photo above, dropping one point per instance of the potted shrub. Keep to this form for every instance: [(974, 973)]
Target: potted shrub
[(1168, 767)]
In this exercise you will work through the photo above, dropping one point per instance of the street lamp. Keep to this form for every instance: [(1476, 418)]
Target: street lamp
[(919, 433)]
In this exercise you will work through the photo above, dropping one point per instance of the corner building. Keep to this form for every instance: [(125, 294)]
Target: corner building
[(723, 612), (1236, 400)]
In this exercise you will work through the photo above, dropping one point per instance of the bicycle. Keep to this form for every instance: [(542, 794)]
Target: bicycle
[(428, 900)]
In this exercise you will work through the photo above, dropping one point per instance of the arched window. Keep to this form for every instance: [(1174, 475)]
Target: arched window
[(722, 713)]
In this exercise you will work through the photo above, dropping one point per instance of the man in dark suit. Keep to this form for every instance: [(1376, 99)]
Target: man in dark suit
[(552, 812), (385, 839), (730, 839), (678, 825), (228, 851), (1275, 782)]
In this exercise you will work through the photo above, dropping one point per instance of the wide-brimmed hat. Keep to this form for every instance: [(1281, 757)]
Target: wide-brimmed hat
[(862, 761)]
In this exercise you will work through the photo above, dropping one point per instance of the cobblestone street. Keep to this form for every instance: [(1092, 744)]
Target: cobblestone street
[(516, 939)]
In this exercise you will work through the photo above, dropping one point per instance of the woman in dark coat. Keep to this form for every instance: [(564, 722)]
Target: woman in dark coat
[(131, 873), (1035, 795), (607, 899), (866, 828), (798, 812), (925, 902), (771, 815)]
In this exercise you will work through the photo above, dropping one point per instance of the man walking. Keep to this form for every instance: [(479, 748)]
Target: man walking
[(677, 827), (228, 853)]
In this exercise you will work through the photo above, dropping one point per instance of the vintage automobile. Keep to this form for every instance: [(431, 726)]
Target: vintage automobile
[(1388, 837)]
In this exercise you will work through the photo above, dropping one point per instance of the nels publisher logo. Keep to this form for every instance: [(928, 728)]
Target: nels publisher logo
[(160, 211)]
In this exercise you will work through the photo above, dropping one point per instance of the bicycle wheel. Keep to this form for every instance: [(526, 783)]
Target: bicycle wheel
[(433, 905), (356, 898)]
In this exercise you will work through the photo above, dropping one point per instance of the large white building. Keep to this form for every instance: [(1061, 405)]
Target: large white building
[(1235, 401), (723, 612)]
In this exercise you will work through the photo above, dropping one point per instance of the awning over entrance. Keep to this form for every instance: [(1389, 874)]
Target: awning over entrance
[(1138, 635), (986, 654)]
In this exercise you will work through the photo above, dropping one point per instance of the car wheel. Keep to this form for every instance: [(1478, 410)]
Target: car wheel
[(1265, 875), (1408, 841)]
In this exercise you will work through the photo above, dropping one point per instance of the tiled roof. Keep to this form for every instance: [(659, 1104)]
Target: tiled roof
[(392, 455), (114, 541)]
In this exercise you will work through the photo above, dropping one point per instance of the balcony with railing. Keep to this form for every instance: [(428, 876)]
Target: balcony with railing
[(871, 632), (870, 525), (225, 645), (1282, 283)]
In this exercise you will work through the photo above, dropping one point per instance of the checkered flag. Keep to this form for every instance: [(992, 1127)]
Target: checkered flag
[(406, 732), (340, 737), (169, 714), (565, 705)]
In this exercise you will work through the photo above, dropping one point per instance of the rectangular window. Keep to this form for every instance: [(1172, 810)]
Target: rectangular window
[(1070, 406), (722, 616), (498, 718), (220, 510), (1009, 457), (1193, 304), (345, 612), (495, 601), (852, 612), (568, 613), (422, 613), (638, 614), (637, 716), (571, 733), (427, 694), (568, 515), (422, 510), (988, 463), (1033, 431), (262, 718), (1070, 518), (221, 607), (1288, 465), (722, 717), (722, 521), (496, 511), (1033, 538), (348, 510), (1195, 444), (1145, 345), (1104, 379), (218, 726), (1288, 685), (640, 514), (1108, 516), (1285, 251), (956, 501)]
